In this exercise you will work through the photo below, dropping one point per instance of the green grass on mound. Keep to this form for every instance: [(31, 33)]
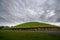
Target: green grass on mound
[(33, 24)]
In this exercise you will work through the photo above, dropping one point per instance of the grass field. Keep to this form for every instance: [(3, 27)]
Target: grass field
[(25, 35), (28, 35), (33, 24)]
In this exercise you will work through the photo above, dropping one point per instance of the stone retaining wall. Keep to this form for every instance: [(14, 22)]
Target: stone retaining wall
[(38, 29)]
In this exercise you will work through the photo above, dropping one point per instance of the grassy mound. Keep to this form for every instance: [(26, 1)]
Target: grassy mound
[(33, 24)]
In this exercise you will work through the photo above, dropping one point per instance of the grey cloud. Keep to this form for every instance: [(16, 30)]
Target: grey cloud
[(17, 11)]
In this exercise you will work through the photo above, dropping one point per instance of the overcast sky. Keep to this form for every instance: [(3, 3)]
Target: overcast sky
[(17, 11)]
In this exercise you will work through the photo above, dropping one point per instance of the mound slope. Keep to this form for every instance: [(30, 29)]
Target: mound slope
[(34, 24)]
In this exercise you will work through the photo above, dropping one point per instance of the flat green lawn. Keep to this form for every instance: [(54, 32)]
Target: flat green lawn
[(23, 35)]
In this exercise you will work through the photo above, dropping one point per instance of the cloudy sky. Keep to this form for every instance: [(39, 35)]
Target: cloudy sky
[(17, 11)]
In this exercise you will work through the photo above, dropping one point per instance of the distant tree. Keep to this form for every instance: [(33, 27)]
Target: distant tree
[(1, 27), (6, 27), (12, 27)]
